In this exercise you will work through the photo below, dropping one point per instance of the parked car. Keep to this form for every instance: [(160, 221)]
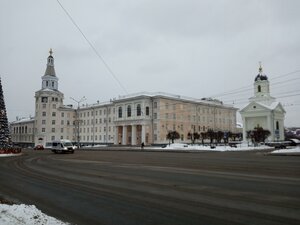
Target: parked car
[(39, 147)]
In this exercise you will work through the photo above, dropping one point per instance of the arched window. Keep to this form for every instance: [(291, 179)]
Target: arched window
[(129, 111), (147, 111), (138, 110), (277, 125), (259, 88), (120, 113)]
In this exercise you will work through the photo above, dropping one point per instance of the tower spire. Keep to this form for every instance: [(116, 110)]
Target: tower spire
[(260, 68), (50, 65)]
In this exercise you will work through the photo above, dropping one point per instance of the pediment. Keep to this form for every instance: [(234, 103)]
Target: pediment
[(254, 107), (279, 108)]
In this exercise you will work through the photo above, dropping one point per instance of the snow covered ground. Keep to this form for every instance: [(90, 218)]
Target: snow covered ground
[(6, 155), (25, 215), (287, 151), (239, 147)]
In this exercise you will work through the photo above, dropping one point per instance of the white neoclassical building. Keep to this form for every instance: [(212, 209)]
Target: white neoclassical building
[(263, 110), (127, 120)]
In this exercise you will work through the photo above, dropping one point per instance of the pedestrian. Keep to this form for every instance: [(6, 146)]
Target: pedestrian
[(142, 145)]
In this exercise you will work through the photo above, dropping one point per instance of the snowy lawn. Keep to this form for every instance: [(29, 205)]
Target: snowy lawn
[(239, 147), (25, 215)]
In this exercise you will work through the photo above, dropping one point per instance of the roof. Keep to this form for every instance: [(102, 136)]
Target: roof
[(23, 120), (50, 71), (261, 77), (208, 101), (271, 107)]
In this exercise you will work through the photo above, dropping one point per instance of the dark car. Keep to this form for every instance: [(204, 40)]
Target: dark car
[(39, 147)]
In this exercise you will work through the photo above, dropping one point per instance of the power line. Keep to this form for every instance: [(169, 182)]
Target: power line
[(283, 96), (245, 88), (93, 48)]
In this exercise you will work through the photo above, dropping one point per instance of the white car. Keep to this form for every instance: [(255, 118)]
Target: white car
[(62, 146)]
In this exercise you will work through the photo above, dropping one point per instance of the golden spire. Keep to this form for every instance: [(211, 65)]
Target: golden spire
[(50, 51), (260, 68)]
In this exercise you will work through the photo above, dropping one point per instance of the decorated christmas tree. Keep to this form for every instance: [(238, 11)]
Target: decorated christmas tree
[(5, 146)]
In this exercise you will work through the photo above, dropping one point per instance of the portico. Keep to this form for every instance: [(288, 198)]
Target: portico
[(131, 134)]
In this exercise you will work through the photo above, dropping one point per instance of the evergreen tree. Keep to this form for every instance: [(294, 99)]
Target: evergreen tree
[(4, 131)]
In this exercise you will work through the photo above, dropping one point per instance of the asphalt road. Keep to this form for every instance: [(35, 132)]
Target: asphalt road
[(135, 187)]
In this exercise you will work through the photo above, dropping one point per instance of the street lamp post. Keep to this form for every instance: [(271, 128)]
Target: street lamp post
[(77, 121)]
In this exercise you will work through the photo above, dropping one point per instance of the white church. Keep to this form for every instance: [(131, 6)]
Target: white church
[(263, 110)]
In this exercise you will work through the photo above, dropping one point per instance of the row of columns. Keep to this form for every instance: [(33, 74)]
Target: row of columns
[(134, 134)]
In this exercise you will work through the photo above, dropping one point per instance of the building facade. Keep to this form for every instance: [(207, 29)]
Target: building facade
[(263, 110), (22, 132), (129, 120)]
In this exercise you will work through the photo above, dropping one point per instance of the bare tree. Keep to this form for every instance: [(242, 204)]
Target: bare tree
[(173, 135)]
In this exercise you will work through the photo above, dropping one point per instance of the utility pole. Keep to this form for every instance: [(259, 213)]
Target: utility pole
[(77, 121)]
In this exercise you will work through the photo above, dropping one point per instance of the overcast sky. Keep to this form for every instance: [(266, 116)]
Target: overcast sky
[(192, 48)]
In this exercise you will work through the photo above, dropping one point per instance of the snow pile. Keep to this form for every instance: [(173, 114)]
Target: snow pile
[(94, 146), (10, 154), (25, 215), (287, 151), (238, 147)]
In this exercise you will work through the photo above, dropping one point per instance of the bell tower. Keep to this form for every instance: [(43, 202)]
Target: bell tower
[(262, 88), (49, 80), (48, 102)]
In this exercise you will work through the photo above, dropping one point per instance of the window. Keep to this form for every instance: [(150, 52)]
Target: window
[(147, 111), (277, 125), (62, 122), (53, 130), (54, 106), (155, 116), (138, 110), (259, 88), (53, 113), (155, 105), (43, 130), (44, 106), (43, 121), (62, 114), (120, 112), (61, 130), (53, 122), (44, 99), (43, 113), (129, 111)]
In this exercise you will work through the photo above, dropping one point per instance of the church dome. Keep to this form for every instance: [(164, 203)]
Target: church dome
[(260, 75)]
